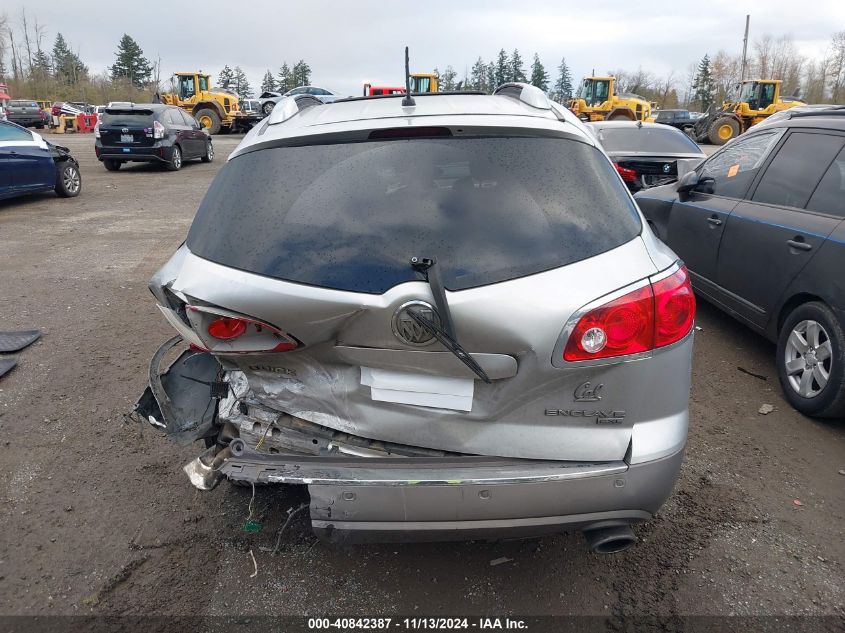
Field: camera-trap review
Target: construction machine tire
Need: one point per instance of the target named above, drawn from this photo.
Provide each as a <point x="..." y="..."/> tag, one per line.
<point x="723" y="129"/>
<point x="619" y="116"/>
<point x="208" y="119"/>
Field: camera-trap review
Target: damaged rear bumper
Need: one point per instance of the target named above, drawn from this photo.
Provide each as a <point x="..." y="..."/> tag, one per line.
<point x="357" y="500"/>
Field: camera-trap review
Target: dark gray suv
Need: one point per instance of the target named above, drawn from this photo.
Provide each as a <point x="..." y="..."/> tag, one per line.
<point x="760" y="226"/>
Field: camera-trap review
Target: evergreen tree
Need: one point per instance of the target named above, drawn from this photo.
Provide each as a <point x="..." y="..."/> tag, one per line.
<point x="704" y="86"/>
<point x="563" y="85"/>
<point x="503" y="71"/>
<point x="285" y="80"/>
<point x="539" y="76"/>
<point x="491" y="76"/>
<point x="447" y="79"/>
<point x="3" y="70"/>
<point x="41" y="66"/>
<point x="478" y="77"/>
<point x="130" y="63"/>
<point x="67" y="67"/>
<point x="517" y="67"/>
<point x="301" y="74"/>
<point x="268" y="84"/>
<point x="240" y="84"/>
<point x="226" y="77"/>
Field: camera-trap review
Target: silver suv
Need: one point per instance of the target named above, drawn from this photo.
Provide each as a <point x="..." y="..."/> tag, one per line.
<point x="447" y="319"/>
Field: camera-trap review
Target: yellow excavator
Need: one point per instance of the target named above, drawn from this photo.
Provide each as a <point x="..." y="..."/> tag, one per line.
<point x="758" y="100"/>
<point x="596" y="100"/>
<point x="215" y="110"/>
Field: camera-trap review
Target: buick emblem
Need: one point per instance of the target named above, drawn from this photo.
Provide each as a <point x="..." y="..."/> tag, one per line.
<point x="667" y="168"/>
<point x="409" y="331"/>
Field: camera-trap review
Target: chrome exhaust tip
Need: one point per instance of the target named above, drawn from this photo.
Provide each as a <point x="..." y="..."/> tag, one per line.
<point x="610" y="540"/>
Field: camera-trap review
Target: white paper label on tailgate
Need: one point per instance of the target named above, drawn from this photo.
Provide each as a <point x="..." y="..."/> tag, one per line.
<point x="420" y="389"/>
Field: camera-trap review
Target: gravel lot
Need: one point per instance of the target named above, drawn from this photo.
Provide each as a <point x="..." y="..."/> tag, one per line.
<point x="100" y="519"/>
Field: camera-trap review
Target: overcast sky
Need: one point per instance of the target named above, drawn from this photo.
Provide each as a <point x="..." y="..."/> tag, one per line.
<point x="349" y="42"/>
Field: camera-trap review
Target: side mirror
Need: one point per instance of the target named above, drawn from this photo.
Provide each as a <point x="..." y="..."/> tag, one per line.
<point x="687" y="183"/>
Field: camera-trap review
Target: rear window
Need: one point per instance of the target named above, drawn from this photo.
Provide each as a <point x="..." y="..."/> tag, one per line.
<point x="351" y="216"/>
<point x="23" y="104"/>
<point x="651" y="139"/>
<point x="114" y="116"/>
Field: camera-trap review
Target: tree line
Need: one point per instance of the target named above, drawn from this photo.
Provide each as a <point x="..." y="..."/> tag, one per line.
<point x="41" y="69"/>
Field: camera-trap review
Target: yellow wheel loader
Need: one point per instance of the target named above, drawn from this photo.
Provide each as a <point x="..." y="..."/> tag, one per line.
<point x="758" y="100"/>
<point x="422" y="83"/>
<point x="214" y="110"/>
<point x="596" y="100"/>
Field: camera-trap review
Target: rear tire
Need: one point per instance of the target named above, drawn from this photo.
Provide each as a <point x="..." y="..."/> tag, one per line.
<point x="811" y="351"/>
<point x="618" y="117"/>
<point x="722" y="130"/>
<point x="68" y="180"/>
<point x="111" y="165"/>
<point x="267" y="108"/>
<point x="209" y="153"/>
<point x="208" y="119"/>
<point x="175" y="163"/>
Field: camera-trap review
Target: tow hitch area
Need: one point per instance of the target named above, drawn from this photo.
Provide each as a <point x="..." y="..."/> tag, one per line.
<point x="183" y="400"/>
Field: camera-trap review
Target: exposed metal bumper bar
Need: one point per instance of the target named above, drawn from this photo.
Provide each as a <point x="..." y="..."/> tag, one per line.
<point x="400" y="499"/>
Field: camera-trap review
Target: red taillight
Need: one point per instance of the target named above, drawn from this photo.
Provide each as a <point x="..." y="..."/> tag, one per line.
<point x="655" y="315"/>
<point x="674" y="306"/>
<point x="230" y="334"/>
<point x="226" y="328"/>
<point x="158" y="130"/>
<point x="628" y="175"/>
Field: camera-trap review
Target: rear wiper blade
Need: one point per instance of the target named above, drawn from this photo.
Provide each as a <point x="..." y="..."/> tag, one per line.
<point x="449" y="343"/>
<point x="445" y="335"/>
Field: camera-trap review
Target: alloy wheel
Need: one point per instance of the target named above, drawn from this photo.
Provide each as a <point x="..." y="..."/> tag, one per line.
<point x="70" y="179"/>
<point x="809" y="358"/>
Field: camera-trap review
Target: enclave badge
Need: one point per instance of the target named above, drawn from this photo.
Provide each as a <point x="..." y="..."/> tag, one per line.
<point x="585" y="392"/>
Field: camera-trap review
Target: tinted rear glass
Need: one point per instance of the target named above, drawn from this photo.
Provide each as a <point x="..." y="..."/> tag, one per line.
<point x="646" y="139"/>
<point x="127" y="117"/>
<point x="351" y="216"/>
<point x="23" y="104"/>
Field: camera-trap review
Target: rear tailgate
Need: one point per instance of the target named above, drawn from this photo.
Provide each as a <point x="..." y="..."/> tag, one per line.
<point x="127" y="128"/>
<point x="531" y="409"/>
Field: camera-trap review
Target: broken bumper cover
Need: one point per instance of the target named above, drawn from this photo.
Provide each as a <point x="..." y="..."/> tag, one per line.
<point x="357" y="500"/>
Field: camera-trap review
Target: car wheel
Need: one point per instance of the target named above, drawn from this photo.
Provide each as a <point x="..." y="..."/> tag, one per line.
<point x="68" y="180"/>
<point x="267" y="108"/>
<point x="209" y="153"/>
<point x="175" y="163"/>
<point x="811" y="361"/>
<point x="112" y="165"/>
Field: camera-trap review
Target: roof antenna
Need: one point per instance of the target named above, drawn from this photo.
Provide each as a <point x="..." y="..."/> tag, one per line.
<point x="408" y="100"/>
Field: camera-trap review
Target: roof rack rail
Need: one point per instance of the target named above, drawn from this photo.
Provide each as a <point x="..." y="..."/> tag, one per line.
<point x="526" y="93"/>
<point x="287" y="107"/>
<point x="838" y="110"/>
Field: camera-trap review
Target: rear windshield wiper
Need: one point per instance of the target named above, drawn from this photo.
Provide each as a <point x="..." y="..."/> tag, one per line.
<point x="446" y="334"/>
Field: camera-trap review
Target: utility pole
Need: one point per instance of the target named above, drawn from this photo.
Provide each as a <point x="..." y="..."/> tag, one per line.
<point x="744" y="49"/>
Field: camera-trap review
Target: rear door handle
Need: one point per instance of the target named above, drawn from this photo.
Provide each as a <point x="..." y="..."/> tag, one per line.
<point x="800" y="245"/>
<point x="714" y="221"/>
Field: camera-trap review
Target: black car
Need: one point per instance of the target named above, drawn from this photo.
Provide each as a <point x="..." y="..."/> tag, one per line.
<point x="680" y="119"/>
<point x="26" y="113"/>
<point x="645" y="154"/>
<point x="761" y="226"/>
<point x="150" y="132"/>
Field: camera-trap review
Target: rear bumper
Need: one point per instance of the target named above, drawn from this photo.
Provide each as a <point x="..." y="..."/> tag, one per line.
<point x="408" y="499"/>
<point x="134" y="154"/>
